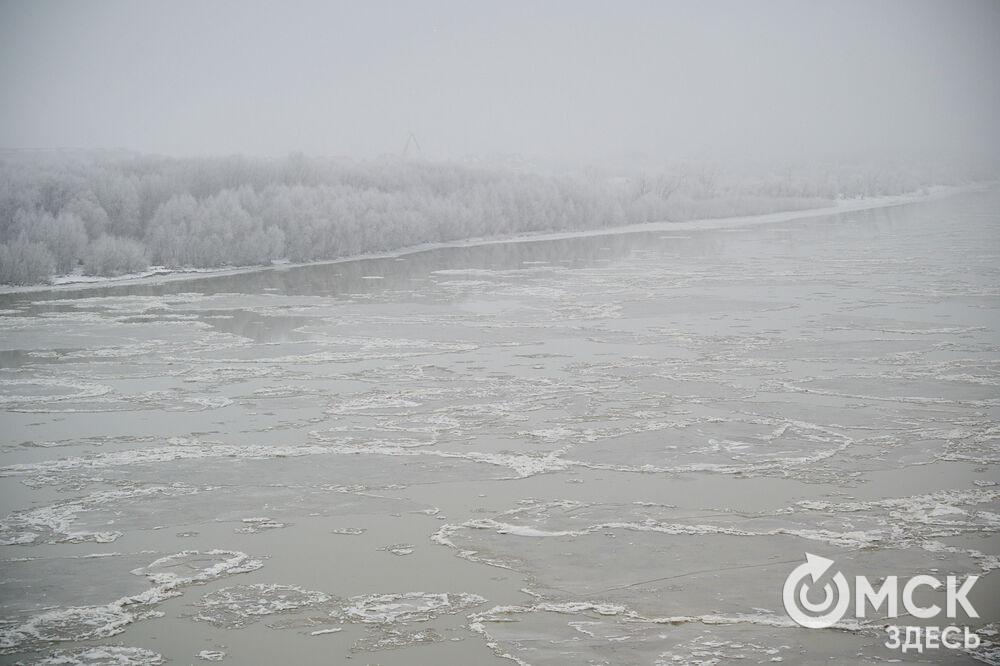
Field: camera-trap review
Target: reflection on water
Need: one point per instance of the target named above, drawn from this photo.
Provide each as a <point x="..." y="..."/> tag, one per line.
<point x="561" y="451"/>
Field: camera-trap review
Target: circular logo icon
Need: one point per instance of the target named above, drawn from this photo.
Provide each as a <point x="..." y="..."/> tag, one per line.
<point x="820" y="615"/>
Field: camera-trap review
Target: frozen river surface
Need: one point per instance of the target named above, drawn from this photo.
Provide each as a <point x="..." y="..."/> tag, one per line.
<point x="602" y="450"/>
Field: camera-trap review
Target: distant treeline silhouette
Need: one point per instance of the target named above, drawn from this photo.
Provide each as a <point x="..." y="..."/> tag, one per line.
<point x="113" y="214"/>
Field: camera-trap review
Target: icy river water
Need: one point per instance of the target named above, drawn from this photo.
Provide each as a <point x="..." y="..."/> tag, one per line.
<point x="599" y="450"/>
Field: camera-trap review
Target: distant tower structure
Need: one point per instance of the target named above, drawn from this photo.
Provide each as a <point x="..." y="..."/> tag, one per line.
<point x="411" y="139"/>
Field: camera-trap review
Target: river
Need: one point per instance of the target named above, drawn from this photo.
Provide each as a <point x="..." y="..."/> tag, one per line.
<point x="606" y="450"/>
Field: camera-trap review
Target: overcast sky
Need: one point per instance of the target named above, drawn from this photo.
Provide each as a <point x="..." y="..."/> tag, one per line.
<point x="555" y="80"/>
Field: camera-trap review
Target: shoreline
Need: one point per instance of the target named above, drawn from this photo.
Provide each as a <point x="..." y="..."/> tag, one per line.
<point x="160" y="275"/>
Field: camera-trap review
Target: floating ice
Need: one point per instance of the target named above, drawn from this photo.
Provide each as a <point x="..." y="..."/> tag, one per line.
<point x="353" y="531"/>
<point x="585" y="631"/>
<point x="241" y="605"/>
<point x="258" y="524"/>
<point x="102" y="655"/>
<point x="168" y="574"/>
<point x="388" y="638"/>
<point x="321" y="632"/>
<point x="54" y="523"/>
<point x="407" y="607"/>
<point x="192" y="566"/>
<point x="41" y="390"/>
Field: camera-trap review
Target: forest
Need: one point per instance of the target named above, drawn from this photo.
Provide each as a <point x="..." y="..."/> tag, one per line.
<point x="112" y="214"/>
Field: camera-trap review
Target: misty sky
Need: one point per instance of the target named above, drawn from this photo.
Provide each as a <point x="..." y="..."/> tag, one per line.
<point x="554" y="80"/>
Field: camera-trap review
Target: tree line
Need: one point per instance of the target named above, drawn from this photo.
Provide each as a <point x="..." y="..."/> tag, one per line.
<point x="113" y="214"/>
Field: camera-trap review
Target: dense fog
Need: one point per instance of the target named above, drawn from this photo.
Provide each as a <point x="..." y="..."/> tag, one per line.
<point x="443" y="120"/>
<point x="582" y="81"/>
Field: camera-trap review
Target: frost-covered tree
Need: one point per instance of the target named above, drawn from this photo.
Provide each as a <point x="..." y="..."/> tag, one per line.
<point x="168" y="233"/>
<point x="114" y="255"/>
<point x="66" y="238"/>
<point x="118" y="195"/>
<point x="24" y="262"/>
<point x="86" y="207"/>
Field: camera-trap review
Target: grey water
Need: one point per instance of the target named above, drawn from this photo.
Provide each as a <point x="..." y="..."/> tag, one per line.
<point x="605" y="450"/>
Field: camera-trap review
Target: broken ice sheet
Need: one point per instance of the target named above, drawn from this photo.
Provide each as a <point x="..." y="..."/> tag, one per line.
<point x="240" y="605"/>
<point x="386" y="638"/>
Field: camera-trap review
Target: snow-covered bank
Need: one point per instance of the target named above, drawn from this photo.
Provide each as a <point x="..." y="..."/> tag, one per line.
<point x="160" y="274"/>
<point x="841" y="206"/>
